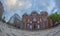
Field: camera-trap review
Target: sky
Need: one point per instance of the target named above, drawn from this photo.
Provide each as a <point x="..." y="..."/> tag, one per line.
<point x="27" y="6"/>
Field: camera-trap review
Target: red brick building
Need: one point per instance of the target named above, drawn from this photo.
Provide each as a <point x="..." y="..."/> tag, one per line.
<point x="36" y="21"/>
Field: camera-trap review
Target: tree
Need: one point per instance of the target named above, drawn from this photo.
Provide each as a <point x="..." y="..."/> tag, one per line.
<point x="55" y="17"/>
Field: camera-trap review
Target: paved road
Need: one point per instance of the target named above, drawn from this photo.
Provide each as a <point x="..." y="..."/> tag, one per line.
<point x="7" y="30"/>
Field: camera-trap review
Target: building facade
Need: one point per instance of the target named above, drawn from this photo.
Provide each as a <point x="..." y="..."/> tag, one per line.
<point x="15" y="21"/>
<point x="1" y="10"/>
<point x="36" y="21"/>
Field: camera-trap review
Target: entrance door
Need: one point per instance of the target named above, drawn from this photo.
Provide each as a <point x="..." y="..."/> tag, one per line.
<point x="34" y="26"/>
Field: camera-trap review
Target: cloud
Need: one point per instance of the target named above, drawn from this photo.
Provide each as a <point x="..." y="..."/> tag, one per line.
<point x="14" y="5"/>
<point x="47" y="5"/>
<point x="55" y="10"/>
<point x="10" y="3"/>
<point x="20" y="4"/>
<point x="51" y="6"/>
<point x="24" y="4"/>
<point x="28" y="4"/>
<point x="57" y="3"/>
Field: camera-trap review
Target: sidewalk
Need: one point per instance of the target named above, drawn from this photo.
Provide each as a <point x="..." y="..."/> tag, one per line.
<point x="7" y="31"/>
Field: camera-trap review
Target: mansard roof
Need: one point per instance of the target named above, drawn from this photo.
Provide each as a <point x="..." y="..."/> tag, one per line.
<point x="44" y="12"/>
<point x="34" y="12"/>
<point x="25" y="14"/>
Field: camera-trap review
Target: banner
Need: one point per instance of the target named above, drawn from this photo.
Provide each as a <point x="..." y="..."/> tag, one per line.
<point x="30" y="26"/>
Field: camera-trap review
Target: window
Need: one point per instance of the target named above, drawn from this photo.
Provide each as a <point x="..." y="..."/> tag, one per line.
<point x="24" y="20"/>
<point x="28" y="20"/>
<point x="40" y="20"/>
<point x="34" y="19"/>
<point x="45" y="20"/>
<point x="17" y="21"/>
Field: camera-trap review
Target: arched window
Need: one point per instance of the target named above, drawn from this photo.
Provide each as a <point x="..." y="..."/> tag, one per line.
<point x="28" y="20"/>
<point x="40" y="20"/>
